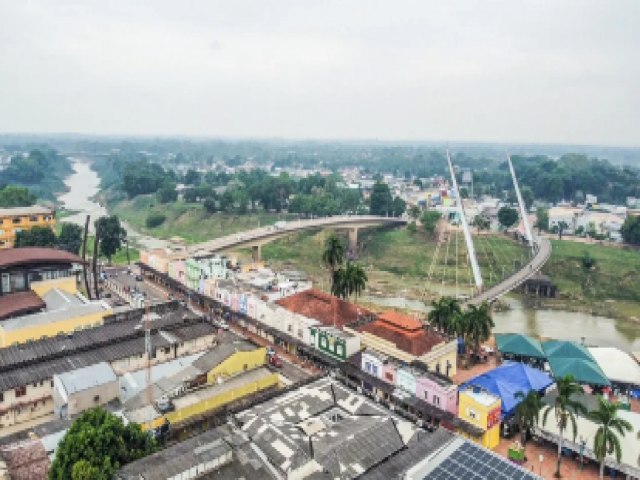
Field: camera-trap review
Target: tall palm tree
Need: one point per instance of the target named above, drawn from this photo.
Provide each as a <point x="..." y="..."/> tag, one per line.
<point x="358" y="278"/>
<point x="606" y="440"/>
<point x="479" y="324"/>
<point x="565" y="409"/>
<point x="333" y="255"/>
<point x="444" y="313"/>
<point x="528" y="412"/>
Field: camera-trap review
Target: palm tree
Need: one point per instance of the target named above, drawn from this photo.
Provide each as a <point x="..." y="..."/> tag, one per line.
<point x="340" y="283"/>
<point x="565" y="409"/>
<point x="528" y="412"/>
<point x="479" y="324"/>
<point x="333" y="255"/>
<point x="444" y="313"/>
<point x="358" y="278"/>
<point x="606" y="440"/>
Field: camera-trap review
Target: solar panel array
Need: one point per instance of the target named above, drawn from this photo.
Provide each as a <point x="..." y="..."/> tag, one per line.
<point x="471" y="462"/>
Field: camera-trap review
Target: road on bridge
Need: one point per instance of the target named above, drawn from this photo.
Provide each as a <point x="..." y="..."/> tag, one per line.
<point x="543" y="253"/>
<point x="265" y="234"/>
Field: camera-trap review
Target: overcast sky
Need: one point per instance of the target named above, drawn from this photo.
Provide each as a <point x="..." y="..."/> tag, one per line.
<point x="535" y="71"/>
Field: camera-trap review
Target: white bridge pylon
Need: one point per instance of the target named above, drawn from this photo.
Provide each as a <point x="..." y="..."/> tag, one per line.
<point x="523" y="208"/>
<point x="475" y="268"/>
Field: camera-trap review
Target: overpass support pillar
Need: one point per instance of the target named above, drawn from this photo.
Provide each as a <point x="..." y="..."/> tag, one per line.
<point x="353" y="240"/>
<point x="256" y="253"/>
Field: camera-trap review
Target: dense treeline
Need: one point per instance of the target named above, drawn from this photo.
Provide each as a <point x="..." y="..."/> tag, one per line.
<point x="243" y="191"/>
<point x="43" y="171"/>
<point x="570" y="178"/>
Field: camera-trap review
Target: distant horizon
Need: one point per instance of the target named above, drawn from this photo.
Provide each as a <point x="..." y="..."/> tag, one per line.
<point x="346" y="140"/>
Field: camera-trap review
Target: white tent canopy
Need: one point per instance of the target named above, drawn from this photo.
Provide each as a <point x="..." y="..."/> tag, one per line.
<point x="618" y="366"/>
<point x="629" y="444"/>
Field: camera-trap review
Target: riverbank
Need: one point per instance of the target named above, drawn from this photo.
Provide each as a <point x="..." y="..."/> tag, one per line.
<point x="188" y="221"/>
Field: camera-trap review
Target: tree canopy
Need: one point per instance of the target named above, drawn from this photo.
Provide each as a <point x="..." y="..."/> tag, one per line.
<point x="507" y="216"/>
<point x="429" y="220"/>
<point x="70" y="238"/>
<point x="96" y="445"/>
<point x="36" y="237"/>
<point x="631" y="230"/>
<point x="111" y="235"/>
<point x="15" y="196"/>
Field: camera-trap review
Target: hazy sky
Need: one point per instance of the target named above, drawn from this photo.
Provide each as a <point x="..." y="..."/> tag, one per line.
<point x="539" y="71"/>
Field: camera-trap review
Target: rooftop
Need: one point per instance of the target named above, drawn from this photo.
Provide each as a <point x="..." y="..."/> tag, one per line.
<point x="326" y="431"/>
<point x="25" y="460"/>
<point x="21" y="211"/>
<point x="12" y="257"/>
<point x="481" y="396"/>
<point x="41" y="359"/>
<point x="408" y="336"/>
<point x="323" y="307"/>
<point x="19" y="304"/>
<point x="244" y="463"/>
<point x="87" y="377"/>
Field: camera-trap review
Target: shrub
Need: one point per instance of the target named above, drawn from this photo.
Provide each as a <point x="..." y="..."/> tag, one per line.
<point x="155" y="220"/>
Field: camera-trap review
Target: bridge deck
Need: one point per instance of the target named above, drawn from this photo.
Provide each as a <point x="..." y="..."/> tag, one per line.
<point x="263" y="234"/>
<point x="543" y="253"/>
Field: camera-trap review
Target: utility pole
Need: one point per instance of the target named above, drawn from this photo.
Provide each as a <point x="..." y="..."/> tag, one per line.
<point x="147" y="347"/>
<point x="96" y="246"/>
<point x="84" y="257"/>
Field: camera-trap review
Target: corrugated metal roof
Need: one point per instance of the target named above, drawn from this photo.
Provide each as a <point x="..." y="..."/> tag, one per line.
<point x="87" y="377"/>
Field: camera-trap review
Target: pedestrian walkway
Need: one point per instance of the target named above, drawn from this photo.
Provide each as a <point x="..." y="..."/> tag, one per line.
<point x="569" y="467"/>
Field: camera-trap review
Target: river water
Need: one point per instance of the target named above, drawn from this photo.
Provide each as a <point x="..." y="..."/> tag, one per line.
<point x="83" y="184"/>
<point x="558" y="324"/>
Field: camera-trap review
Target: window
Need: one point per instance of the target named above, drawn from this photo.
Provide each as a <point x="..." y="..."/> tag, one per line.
<point x="388" y="376"/>
<point x="21" y="391"/>
<point x="299" y="333"/>
<point x="96" y="398"/>
<point x="16" y="221"/>
<point x="35" y="385"/>
<point x="289" y="328"/>
<point x="426" y="395"/>
<point x="52" y="383"/>
<point x="340" y="351"/>
<point x="472" y="414"/>
<point x="245" y="366"/>
<point x="436" y="400"/>
<point x="1" y="397"/>
<point x="33" y="218"/>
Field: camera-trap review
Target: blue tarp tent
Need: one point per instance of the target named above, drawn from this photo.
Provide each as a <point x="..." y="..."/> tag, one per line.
<point x="509" y="379"/>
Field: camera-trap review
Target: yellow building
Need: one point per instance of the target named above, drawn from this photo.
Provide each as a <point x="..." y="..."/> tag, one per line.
<point x="14" y="220"/>
<point x="215" y="396"/>
<point x="239" y="361"/>
<point x="481" y="409"/>
<point x="66" y="310"/>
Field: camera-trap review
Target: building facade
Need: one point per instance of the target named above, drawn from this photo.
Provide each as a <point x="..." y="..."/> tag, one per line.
<point x="14" y="220"/>
<point x="483" y="410"/>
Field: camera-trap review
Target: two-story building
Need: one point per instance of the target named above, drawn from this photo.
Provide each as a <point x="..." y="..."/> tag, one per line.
<point x="482" y="409"/>
<point x="16" y="219"/>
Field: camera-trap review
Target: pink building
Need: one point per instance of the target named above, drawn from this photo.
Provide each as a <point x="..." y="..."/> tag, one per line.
<point x="438" y="392"/>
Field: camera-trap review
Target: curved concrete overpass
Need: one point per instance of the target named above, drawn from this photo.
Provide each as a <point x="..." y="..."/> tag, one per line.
<point x="259" y="236"/>
<point x="543" y="252"/>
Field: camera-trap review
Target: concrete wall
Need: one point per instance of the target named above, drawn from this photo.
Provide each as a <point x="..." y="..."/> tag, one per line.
<point x="237" y="363"/>
<point x="439" y="355"/>
<point x="478" y="414"/>
<point x="10" y="337"/>
<point x="86" y="399"/>
<point x="447" y="396"/>
<point x="36" y="402"/>
<point x="216" y="401"/>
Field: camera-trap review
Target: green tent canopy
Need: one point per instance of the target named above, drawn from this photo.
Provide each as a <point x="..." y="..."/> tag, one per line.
<point x="570" y="358"/>
<point x="518" y="344"/>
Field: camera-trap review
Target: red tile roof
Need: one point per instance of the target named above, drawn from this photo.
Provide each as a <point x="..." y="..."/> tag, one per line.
<point x="323" y="307"/>
<point x="14" y="304"/>
<point x="31" y="255"/>
<point x="405" y="332"/>
<point x="26" y="461"/>
<point x="400" y="320"/>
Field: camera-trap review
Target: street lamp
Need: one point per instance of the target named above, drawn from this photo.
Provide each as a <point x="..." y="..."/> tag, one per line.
<point x="582" y="445"/>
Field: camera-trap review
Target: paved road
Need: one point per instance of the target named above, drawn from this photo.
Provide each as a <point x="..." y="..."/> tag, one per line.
<point x="119" y="276"/>
<point x="537" y="262"/>
<point x="260" y="235"/>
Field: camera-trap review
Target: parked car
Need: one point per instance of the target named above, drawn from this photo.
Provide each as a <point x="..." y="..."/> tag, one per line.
<point x="274" y="361"/>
